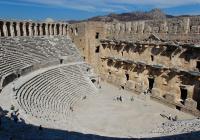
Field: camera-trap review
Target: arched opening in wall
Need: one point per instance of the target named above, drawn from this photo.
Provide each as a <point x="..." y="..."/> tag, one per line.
<point x="152" y="58"/>
<point x="122" y="53"/>
<point x="33" y="28"/>
<point x="57" y="29"/>
<point x="109" y="73"/>
<point x="62" y="31"/>
<point x="52" y="27"/>
<point x="97" y="35"/>
<point x="93" y="80"/>
<point x="61" y="61"/>
<point x="127" y="76"/>
<point x="66" y="29"/>
<point x="198" y="65"/>
<point x="76" y="31"/>
<point x="184" y="94"/>
<point x="21" y="29"/>
<point x="9" y="79"/>
<point x="151" y="83"/>
<point x="97" y="50"/>
<point x="1" y="29"/>
<point x="43" y="29"/>
<point x="178" y="107"/>
<point x="15" y="28"/>
<point x="8" y="28"/>
<point x="38" y="29"/>
<point x="27" y="29"/>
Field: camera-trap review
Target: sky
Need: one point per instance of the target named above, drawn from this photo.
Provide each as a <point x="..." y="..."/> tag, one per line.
<point x="83" y="9"/>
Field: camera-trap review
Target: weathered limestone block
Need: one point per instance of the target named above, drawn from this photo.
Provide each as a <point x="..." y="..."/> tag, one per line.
<point x="60" y="30"/>
<point x="141" y="27"/>
<point x="170" y="97"/>
<point x="130" y="85"/>
<point x="128" y="27"/>
<point x="50" y="29"/>
<point x="122" y="81"/>
<point x="134" y="27"/>
<point x="190" y="103"/>
<point x="186" y="25"/>
<point x="110" y="78"/>
<point x="122" y="28"/>
<point x="156" y="29"/>
<point x="147" y="29"/>
<point x="5" y="30"/>
<point x="24" y="29"/>
<point x="30" y="30"/>
<point x="139" y="87"/>
<point x="117" y="28"/>
<point x="156" y="92"/>
<point x="194" y="29"/>
<point x="164" y="28"/>
<point x="18" y="28"/>
<point x="11" y="29"/>
<point x="46" y="29"/>
<point x="173" y="29"/>
<point x="117" y="80"/>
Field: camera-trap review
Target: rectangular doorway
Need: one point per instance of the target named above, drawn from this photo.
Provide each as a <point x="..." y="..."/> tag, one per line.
<point x="184" y="94"/>
<point x="151" y="83"/>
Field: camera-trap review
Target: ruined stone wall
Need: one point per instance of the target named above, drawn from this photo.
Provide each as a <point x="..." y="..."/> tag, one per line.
<point x="185" y="29"/>
<point x="29" y="28"/>
<point x="170" y="73"/>
<point x="87" y="35"/>
<point x="159" y="56"/>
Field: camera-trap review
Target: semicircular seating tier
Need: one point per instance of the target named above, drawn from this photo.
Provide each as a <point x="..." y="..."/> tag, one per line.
<point x="49" y="97"/>
<point x="22" y="52"/>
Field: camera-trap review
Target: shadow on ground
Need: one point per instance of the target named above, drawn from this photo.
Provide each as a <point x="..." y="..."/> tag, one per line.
<point x="11" y="130"/>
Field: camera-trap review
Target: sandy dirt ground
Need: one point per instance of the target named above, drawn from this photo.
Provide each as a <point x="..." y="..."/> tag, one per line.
<point x="134" y="116"/>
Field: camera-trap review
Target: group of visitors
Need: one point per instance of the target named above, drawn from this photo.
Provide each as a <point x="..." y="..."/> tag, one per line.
<point x="118" y="98"/>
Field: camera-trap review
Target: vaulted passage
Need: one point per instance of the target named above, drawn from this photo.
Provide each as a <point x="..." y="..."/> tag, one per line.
<point x="198" y="65"/>
<point x="57" y="29"/>
<point x="21" y="29"/>
<point x="43" y="29"/>
<point x="15" y="28"/>
<point x="52" y="29"/>
<point x="97" y="49"/>
<point x="38" y="29"/>
<point x="184" y="94"/>
<point x="151" y="83"/>
<point x="152" y="58"/>
<point x="127" y="76"/>
<point x="33" y="29"/>
<point x="8" y="28"/>
<point x="27" y="29"/>
<point x="97" y="35"/>
<point x="1" y="29"/>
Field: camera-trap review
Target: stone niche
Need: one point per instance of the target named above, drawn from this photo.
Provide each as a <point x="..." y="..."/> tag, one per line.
<point x="190" y="103"/>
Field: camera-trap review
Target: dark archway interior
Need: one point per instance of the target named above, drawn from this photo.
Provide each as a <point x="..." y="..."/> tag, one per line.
<point x="151" y="83"/>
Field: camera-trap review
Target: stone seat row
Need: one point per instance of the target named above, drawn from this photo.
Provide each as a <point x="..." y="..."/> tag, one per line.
<point x="17" y="53"/>
<point x="50" y="96"/>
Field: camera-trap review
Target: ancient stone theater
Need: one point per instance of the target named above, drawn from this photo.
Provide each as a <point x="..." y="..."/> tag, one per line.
<point x="100" y="80"/>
